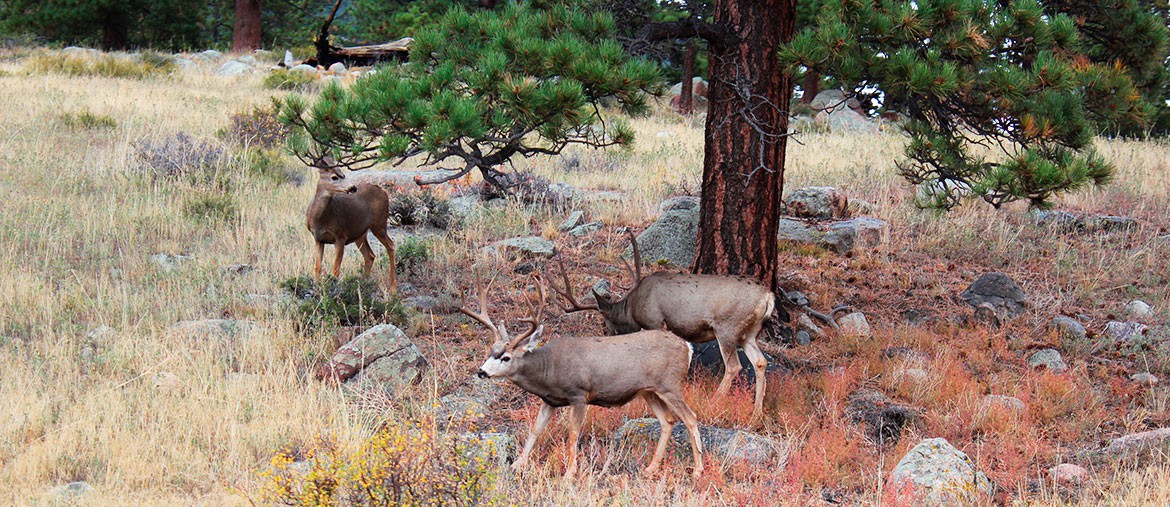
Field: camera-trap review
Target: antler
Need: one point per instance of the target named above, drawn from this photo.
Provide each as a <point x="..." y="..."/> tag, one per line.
<point x="534" y="321"/>
<point x="481" y="315"/>
<point x="568" y="293"/>
<point x="637" y="269"/>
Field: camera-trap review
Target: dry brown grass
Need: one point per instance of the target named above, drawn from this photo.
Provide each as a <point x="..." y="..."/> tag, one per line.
<point x="157" y="417"/>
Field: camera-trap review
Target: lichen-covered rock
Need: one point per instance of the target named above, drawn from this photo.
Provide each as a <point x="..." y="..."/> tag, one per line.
<point x="1069" y="328"/>
<point x="527" y="247"/>
<point x="1136" y="443"/>
<point x="639" y="436"/>
<point x="1048" y="358"/>
<point x="680" y="202"/>
<point x="378" y="342"/>
<point x="934" y="472"/>
<point x="401" y="368"/>
<point x="859" y="233"/>
<point x="854" y="324"/>
<point x="822" y="203"/>
<point x="1068" y="474"/>
<point x="573" y="220"/>
<point x="799" y="232"/>
<point x="1138" y="310"/>
<point x="672" y="237"/>
<point x="1124" y="331"/>
<point x="1000" y="291"/>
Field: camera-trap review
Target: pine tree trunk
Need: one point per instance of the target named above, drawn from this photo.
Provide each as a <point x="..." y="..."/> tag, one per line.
<point x="811" y="87"/>
<point x="743" y="164"/>
<point x="686" y="97"/>
<point x="115" y="28"/>
<point x="246" y="32"/>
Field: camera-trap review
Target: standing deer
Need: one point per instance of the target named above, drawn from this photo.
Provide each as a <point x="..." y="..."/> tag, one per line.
<point x="697" y="308"/>
<point x="607" y="371"/>
<point x="341" y="212"/>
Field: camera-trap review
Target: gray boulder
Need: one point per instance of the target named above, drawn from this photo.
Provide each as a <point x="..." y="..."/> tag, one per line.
<point x="1140" y="443"/>
<point x="1138" y="310"/>
<point x="573" y="220"/>
<point x="1108" y="223"/>
<point x="404" y="363"/>
<point x="337" y="68"/>
<point x="671" y="237"/>
<point x="682" y="202"/>
<point x="70" y="494"/>
<point x="1062" y="221"/>
<point x="1069" y="328"/>
<point x="586" y="229"/>
<point x="798" y="232"/>
<point x="526" y="247"/>
<point x="1048" y="358"/>
<point x="859" y="233"/>
<point x="234" y="68"/>
<point x="855" y="324"/>
<point x="308" y="69"/>
<point x="639" y="436"/>
<point x="208" y="55"/>
<point x="934" y="472"/>
<point x="822" y="203"/>
<point x="846" y="120"/>
<point x="1000" y="291"/>
<point x="833" y="99"/>
<point x="490" y="446"/>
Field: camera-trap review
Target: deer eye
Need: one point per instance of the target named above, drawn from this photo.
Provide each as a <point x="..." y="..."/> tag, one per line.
<point x="336" y="177"/>
<point x="505" y="359"/>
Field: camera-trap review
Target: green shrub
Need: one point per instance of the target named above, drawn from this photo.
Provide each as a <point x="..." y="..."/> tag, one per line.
<point x="87" y="120"/>
<point x="412" y="253"/>
<point x="270" y="165"/>
<point x="212" y="208"/>
<point x="349" y="301"/>
<point x="282" y="79"/>
<point x="101" y="65"/>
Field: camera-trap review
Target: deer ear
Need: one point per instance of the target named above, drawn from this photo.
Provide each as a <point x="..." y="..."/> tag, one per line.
<point x="534" y="341"/>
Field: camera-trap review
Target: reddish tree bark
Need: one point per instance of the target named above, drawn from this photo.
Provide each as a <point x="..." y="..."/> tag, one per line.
<point x="246" y="31"/>
<point x="686" y="97"/>
<point x="812" y="86"/>
<point x="743" y="164"/>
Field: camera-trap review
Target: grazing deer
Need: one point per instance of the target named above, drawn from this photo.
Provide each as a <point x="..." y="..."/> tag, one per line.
<point x="698" y="308"/>
<point x="341" y="212"/>
<point x="607" y="371"/>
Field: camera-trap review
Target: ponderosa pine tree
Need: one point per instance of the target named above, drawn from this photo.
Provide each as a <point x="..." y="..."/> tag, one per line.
<point x="970" y="74"/>
<point x="480" y="89"/>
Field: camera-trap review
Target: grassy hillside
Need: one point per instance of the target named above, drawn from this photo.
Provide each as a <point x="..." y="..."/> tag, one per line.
<point x="150" y="414"/>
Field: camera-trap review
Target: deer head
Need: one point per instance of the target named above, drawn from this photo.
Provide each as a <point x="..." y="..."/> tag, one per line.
<point x="330" y="178"/>
<point x="505" y="353"/>
<point x="616" y="312"/>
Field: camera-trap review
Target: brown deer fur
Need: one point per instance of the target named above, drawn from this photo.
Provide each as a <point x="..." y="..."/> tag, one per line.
<point x="341" y="212"/>
<point x="606" y="371"/>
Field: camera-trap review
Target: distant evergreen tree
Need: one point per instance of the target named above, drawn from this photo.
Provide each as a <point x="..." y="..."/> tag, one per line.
<point x="108" y="24"/>
<point x="970" y="74"/>
<point x="481" y="88"/>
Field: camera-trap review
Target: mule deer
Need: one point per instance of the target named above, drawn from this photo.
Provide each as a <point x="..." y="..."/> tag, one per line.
<point x="606" y="371"/>
<point x="341" y="212"/>
<point x="697" y="308"/>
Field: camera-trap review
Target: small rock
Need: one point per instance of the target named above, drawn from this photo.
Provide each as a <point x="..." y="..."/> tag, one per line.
<point x="247" y="60"/>
<point x="1069" y="328"/>
<point x="1062" y="221"/>
<point x="823" y="203"/>
<point x="381" y="341"/>
<point x="986" y="314"/>
<point x="1124" y="331"/>
<point x="1068" y="474"/>
<point x="184" y="64"/>
<point x="640" y="435"/>
<point x="859" y="233"/>
<point x="337" y="68"/>
<point x="1136" y="443"/>
<point x="601" y="288"/>
<point x="1144" y="378"/>
<point x="288" y="60"/>
<point x="883" y="418"/>
<point x="526" y="247"/>
<point x="803" y="338"/>
<point x="1138" y="310"/>
<point x="846" y="120"/>
<point x="586" y="229"/>
<point x="854" y="324"/>
<point x="239" y="269"/>
<point x="233" y="68"/>
<point x="915" y="375"/>
<point x="210" y="54"/>
<point x="169" y="262"/>
<point x="1000" y="401"/>
<point x="934" y="472"/>
<point x="1048" y="358"/>
<point x="681" y="202"/>
<point x="308" y="69"/>
<point x="805" y="323"/>
<point x="70" y="494"/>
<point x="1000" y="291"/>
<point x="574" y="219"/>
<point x="916" y="316"/>
<point x="1108" y="223"/>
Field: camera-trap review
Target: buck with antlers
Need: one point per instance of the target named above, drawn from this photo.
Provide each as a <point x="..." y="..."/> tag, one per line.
<point x="606" y="371"/>
<point x="341" y="213"/>
<point x="697" y="308"/>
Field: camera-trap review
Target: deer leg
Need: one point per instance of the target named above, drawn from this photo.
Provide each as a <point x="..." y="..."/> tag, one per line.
<point x="576" y="419"/>
<point x="760" y="365"/>
<point x="380" y="233"/>
<point x="317" y="265"/>
<point x="731" y="366"/>
<point x="666" y="423"/>
<point x="546" y="413"/>
<point x="339" y="252"/>
<point x="363" y="245"/>
<point x="679" y="406"/>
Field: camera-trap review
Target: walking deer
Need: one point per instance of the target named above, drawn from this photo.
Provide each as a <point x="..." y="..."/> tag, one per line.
<point x="607" y="371"/>
<point x="341" y="213"/>
<point x="697" y="308"/>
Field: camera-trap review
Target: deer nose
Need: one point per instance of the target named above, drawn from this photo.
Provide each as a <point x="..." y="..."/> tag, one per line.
<point x="481" y="374"/>
<point x="351" y="190"/>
